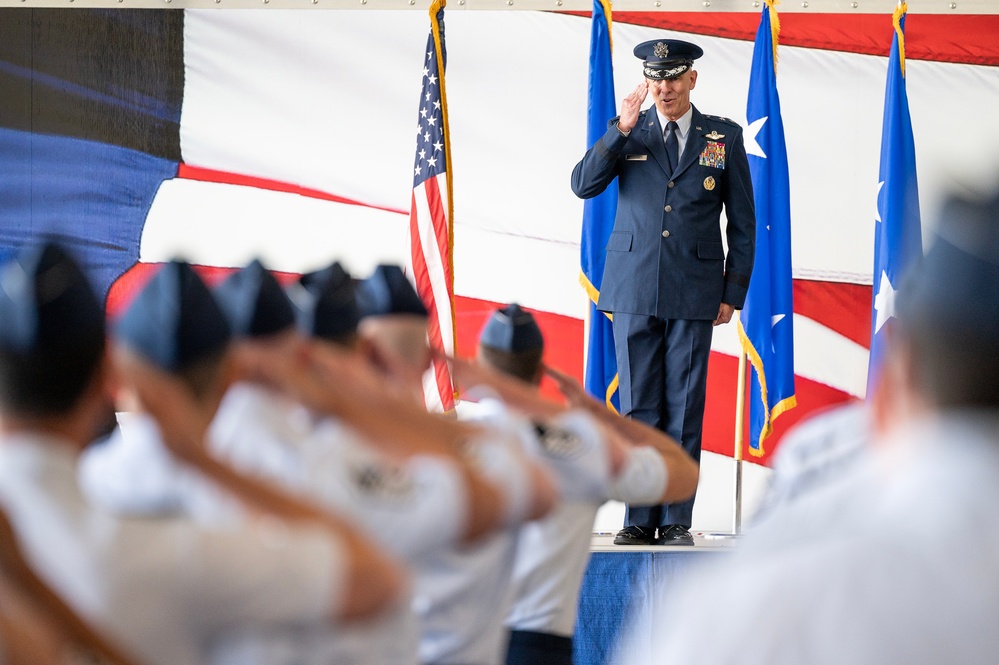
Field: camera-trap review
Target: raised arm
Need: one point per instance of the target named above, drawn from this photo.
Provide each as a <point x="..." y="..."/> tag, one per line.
<point x="339" y="384"/>
<point x="372" y="580"/>
<point x="598" y="167"/>
<point x="681" y="470"/>
<point x="27" y="585"/>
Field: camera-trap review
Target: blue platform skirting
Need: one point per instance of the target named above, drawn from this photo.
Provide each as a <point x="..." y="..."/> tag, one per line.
<point x="623" y="591"/>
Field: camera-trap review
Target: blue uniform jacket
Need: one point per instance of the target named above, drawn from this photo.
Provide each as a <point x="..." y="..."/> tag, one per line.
<point x="665" y="256"/>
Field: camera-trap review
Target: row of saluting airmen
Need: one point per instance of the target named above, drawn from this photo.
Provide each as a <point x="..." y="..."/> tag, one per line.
<point x="274" y="490"/>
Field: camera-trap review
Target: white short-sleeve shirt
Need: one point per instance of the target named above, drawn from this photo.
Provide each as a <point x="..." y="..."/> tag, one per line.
<point x="166" y="589"/>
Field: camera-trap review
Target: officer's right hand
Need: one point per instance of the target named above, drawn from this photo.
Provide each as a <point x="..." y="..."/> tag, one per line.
<point x="630" y="107"/>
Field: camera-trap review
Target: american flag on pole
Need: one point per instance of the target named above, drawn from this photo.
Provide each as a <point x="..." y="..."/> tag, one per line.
<point x="431" y="225"/>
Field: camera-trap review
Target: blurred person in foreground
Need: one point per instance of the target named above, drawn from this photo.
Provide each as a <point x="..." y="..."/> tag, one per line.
<point x="900" y="564"/>
<point x="551" y="553"/>
<point x="165" y="589"/>
<point x="815" y="455"/>
<point x="410" y="488"/>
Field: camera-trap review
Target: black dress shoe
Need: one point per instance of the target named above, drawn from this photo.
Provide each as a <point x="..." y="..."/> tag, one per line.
<point x="674" y="534"/>
<point x="635" y="535"/>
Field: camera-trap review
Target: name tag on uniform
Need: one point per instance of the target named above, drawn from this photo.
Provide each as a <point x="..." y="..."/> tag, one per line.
<point x="636" y="158"/>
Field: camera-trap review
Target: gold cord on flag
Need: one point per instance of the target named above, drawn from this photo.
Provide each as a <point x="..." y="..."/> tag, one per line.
<point x="435" y="29"/>
<point x="606" y="4"/>
<point x="896" y="20"/>
<point x="774" y="27"/>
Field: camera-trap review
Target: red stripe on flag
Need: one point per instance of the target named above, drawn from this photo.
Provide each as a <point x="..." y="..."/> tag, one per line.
<point x="563" y="337"/>
<point x="188" y="172"/>
<point x="718" y="435"/>
<point x="961" y="38"/>
<point x="845" y="308"/>
<point x="424" y="287"/>
<point x="564" y="350"/>
<point x="128" y="285"/>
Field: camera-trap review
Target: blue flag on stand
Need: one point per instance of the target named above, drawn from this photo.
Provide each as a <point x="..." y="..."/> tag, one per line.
<point x="897" y="234"/>
<point x="598" y="214"/>
<point x="766" y="323"/>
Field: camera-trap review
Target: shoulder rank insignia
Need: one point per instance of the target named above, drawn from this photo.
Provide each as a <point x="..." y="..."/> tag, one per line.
<point x="714" y="135"/>
<point x="722" y="119"/>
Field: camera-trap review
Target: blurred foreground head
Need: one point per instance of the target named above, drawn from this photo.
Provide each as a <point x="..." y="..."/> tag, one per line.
<point x="175" y="324"/>
<point x="326" y="305"/>
<point x="51" y="333"/>
<point x="255" y="305"/>
<point x="945" y="350"/>
<point x="394" y="325"/>
<point x="511" y="342"/>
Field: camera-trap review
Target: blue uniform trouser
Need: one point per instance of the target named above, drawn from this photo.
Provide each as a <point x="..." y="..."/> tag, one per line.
<point x="663" y="370"/>
<point x="528" y="647"/>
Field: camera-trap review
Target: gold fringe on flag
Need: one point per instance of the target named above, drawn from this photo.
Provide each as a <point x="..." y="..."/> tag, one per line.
<point x="774" y="27"/>
<point x="896" y="20"/>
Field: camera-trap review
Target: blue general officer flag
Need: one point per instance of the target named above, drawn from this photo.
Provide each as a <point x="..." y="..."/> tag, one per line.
<point x="766" y="322"/>
<point x="601" y="378"/>
<point x="897" y="234"/>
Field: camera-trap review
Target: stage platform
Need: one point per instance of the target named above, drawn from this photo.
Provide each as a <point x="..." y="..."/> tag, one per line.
<point x="626" y="581"/>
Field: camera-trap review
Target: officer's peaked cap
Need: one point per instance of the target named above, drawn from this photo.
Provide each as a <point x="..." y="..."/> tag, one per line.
<point x="667" y="58"/>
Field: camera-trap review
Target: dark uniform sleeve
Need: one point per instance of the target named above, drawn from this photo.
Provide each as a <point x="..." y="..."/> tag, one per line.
<point x="740" y="211"/>
<point x="599" y="165"/>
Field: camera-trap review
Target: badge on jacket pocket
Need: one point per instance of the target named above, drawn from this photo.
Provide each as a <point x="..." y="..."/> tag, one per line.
<point x="636" y="158"/>
<point x="713" y="155"/>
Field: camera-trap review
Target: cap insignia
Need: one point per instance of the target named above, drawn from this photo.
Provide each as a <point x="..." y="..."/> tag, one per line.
<point x="661" y="50"/>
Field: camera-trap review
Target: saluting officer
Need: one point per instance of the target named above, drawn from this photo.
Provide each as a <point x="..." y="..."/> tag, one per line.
<point x="667" y="278"/>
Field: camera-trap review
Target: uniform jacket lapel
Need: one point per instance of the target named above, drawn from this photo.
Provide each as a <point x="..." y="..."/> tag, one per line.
<point x="651" y="134"/>
<point x="695" y="142"/>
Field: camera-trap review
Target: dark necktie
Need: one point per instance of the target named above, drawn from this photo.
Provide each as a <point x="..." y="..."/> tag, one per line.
<point x="672" y="145"/>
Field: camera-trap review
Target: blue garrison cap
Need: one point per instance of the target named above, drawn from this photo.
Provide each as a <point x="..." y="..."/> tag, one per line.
<point x="328" y="304"/>
<point x="46" y="300"/>
<point x="513" y="330"/>
<point x="953" y="289"/>
<point x="388" y="291"/>
<point x="174" y="320"/>
<point x="254" y="302"/>
<point x="667" y="58"/>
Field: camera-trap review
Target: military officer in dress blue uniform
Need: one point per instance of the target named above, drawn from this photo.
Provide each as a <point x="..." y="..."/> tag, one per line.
<point x="667" y="278"/>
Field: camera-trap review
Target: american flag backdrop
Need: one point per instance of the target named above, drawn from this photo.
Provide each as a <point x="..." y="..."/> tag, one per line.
<point x="430" y="218"/>
<point x="218" y="136"/>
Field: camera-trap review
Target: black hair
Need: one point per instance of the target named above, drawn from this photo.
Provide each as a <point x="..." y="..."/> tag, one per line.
<point x="524" y="365"/>
<point x="49" y="381"/>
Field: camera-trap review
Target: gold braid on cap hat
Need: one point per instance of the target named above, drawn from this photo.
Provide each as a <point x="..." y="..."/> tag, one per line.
<point x="658" y="74"/>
